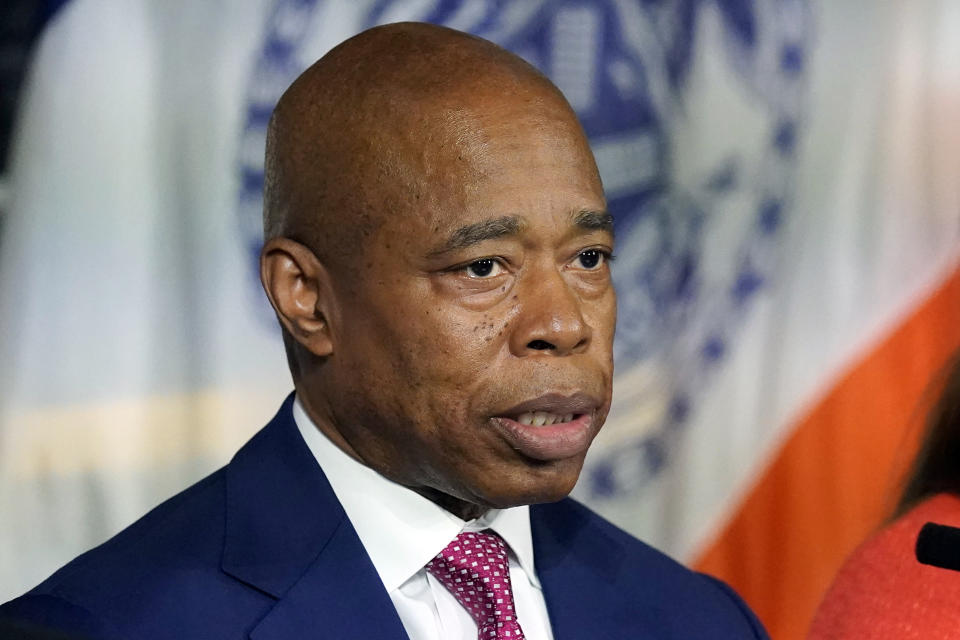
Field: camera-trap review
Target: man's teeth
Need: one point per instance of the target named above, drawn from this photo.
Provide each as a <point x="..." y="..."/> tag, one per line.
<point x="542" y="418"/>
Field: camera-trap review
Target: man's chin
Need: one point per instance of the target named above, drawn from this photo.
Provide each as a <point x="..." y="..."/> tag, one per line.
<point x="549" y="484"/>
<point x="518" y="484"/>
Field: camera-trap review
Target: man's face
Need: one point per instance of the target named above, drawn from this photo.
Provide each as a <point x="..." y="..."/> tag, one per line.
<point x="482" y="307"/>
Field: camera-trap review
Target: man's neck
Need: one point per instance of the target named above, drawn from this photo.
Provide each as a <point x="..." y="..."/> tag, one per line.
<point x="464" y="510"/>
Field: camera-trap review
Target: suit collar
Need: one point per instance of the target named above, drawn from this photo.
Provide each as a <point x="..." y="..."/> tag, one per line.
<point x="288" y="536"/>
<point x="339" y="596"/>
<point x="280" y="510"/>
<point x="400" y="529"/>
<point x="578" y="567"/>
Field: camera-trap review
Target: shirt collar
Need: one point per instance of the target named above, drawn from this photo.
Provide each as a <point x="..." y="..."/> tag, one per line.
<point x="400" y="529"/>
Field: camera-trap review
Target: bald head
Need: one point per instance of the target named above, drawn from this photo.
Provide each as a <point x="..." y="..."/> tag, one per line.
<point x="362" y="133"/>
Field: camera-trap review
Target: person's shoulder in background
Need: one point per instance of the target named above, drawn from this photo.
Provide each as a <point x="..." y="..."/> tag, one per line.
<point x="883" y="592"/>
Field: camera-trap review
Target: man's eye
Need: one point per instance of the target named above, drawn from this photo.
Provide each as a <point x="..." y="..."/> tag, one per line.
<point x="485" y="268"/>
<point x="592" y="258"/>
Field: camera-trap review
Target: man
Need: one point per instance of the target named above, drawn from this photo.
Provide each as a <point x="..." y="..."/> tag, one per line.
<point x="437" y="253"/>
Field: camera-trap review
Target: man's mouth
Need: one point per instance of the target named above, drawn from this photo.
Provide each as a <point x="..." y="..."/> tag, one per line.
<point x="550" y="427"/>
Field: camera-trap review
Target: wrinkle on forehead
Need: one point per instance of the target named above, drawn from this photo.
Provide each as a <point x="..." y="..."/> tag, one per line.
<point x="388" y="120"/>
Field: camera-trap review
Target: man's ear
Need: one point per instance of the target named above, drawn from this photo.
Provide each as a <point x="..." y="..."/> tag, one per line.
<point x="298" y="287"/>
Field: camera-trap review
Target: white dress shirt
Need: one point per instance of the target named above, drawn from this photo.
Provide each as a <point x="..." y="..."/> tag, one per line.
<point x="402" y="531"/>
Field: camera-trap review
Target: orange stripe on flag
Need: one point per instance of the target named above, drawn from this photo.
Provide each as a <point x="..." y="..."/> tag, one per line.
<point x="837" y="476"/>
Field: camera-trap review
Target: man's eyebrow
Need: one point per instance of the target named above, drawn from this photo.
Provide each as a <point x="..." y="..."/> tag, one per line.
<point x="472" y="234"/>
<point x="594" y="220"/>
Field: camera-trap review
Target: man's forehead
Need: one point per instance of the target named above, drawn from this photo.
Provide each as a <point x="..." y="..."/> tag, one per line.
<point x="462" y="167"/>
<point x="381" y="143"/>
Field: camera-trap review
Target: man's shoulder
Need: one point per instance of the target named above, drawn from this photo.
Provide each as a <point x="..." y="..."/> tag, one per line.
<point x="152" y="565"/>
<point x="161" y="572"/>
<point x="171" y="573"/>
<point x="184" y="530"/>
<point x="686" y="603"/>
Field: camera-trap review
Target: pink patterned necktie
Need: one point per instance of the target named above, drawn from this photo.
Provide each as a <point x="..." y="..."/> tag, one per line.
<point x="475" y="569"/>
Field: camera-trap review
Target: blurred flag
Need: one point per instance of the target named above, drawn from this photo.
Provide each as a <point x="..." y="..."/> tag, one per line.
<point x="782" y="174"/>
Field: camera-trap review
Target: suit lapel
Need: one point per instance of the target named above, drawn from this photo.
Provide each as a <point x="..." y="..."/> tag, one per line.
<point x="338" y="597"/>
<point x="577" y="570"/>
<point x="288" y="536"/>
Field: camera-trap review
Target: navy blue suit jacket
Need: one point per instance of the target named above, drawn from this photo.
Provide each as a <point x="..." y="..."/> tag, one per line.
<point x="263" y="549"/>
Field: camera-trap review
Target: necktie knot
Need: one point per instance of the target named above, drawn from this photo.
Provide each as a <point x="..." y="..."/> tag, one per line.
<point x="476" y="570"/>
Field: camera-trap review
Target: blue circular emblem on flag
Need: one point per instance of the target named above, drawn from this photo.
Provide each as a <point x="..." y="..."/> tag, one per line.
<point x="694" y="110"/>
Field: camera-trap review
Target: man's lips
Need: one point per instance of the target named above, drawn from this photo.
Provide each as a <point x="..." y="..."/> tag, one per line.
<point x="551" y="427"/>
<point x="555" y="403"/>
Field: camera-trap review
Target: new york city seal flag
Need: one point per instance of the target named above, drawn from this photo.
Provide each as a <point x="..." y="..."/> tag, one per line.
<point x="783" y="176"/>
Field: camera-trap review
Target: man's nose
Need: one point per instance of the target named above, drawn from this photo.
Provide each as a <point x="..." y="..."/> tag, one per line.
<point x="550" y="320"/>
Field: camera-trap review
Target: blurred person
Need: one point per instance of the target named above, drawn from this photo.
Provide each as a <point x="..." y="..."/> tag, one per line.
<point x="437" y="248"/>
<point x="882" y="591"/>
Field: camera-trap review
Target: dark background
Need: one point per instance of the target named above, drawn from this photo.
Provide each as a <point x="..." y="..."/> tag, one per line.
<point x="20" y="23"/>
